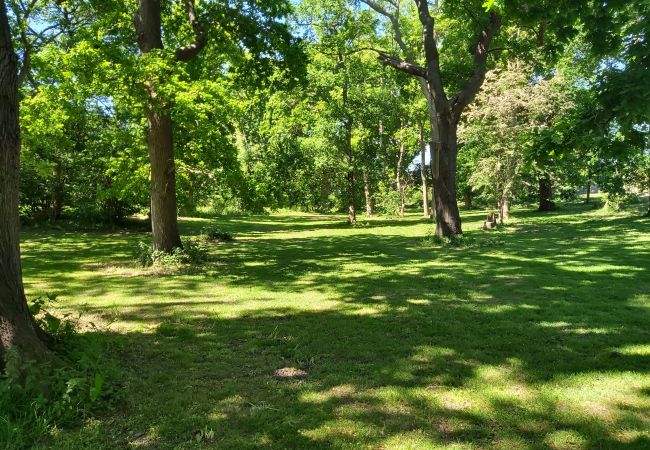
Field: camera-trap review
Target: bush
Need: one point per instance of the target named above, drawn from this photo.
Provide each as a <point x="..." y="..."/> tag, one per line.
<point x="190" y="253"/>
<point x="37" y="398"/>
<point x="216" y="235"/>
<point x="464" y="241"/>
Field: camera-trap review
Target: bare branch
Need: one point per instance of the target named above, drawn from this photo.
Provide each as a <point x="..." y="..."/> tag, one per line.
<point x="188" y="52"/>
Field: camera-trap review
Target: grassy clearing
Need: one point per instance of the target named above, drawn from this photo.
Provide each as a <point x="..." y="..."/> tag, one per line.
<point x="536" y="336"/>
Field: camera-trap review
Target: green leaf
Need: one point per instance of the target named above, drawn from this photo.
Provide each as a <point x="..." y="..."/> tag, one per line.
<point x="488" y="4"/>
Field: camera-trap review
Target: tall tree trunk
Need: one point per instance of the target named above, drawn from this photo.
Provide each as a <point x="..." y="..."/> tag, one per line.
<point x="17" y="327"/>
<point x="347" y="144"/>
<point x="545" y="194"/>
<point x="56" y="199"/>
<point x="423" y="174"/>
<point x="398" y="179"/>
<point x="366" y="191"/>
<point x="588" y="192"/>
<point x="164" y="219"/>
<point x="468" y="196"/>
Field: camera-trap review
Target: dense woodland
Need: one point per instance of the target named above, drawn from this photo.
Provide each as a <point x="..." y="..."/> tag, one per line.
<point x="111" y="110"/>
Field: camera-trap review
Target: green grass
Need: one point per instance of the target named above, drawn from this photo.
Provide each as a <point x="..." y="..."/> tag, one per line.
<point x="535" y="336"/>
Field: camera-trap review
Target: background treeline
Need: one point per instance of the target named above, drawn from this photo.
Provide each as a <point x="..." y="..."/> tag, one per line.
<point x="307" y="117"/>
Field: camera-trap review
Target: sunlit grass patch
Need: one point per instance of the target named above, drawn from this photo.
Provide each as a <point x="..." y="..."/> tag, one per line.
<point x="541" y="342"/>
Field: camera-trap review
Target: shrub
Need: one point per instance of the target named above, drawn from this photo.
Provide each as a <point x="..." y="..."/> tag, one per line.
<point x="216" y="235"/>
<point x="37" y="398"/>
<point x="191" y="253"/>
<point x="433" y="240"/>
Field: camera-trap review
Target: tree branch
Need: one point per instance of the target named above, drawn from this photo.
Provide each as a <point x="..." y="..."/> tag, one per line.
<point x="431" y="55"/>
<point x="394" y="21"/>
<point x="481" y="51"/>
<point x="406" y="67"/>
<point x="188" y="52"/>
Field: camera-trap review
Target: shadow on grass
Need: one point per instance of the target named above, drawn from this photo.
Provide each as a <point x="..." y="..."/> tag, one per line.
<point x="537" y="341"/>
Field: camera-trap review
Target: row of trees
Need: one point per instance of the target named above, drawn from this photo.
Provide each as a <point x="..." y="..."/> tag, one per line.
<point x="325" y="105"/>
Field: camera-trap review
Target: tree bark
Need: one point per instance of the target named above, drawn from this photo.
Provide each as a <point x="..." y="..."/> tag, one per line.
<point x="17" y="327"/>
<point x="448" y="223"/>
<point x="347" y="144"/>
<point x="504" y="210"/>
<point x="366" y="191"/>
<point x="398" y="179"/>
<point x="468" y="197"/>
<point x="423" y="174"/>
<point x="160" y="140"/>
<point x="588" y="192"/>
<point x="56" y="199"/>
<point x="545" y="194"/>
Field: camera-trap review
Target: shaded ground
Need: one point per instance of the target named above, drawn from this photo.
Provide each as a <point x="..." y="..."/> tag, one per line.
<point x="537" y="336"/>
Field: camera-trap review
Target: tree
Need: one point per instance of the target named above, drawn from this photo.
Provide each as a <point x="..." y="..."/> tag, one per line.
<point x="444" y="112"/>
<point x="517" y="128"/>
<point x="160" y="141"/>
<point x="17" y="327"/>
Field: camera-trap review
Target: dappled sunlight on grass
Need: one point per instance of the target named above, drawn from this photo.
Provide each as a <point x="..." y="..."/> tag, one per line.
<point x="533" y="336"/>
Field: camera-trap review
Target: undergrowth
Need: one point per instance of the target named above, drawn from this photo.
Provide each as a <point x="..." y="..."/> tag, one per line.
<point x="192" y="252"/>
<point x="36" y="399"/>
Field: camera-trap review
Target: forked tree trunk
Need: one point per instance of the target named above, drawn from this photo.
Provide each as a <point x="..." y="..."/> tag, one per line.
<point x="545" y="194"/>
<point x="423" y="174"/>
<point x="366" y="192"/>
<point x="17" y="327"/>
<point x="444" y="112"/>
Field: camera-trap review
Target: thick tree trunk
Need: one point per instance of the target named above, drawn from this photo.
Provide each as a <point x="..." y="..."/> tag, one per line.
<point x="366" y="192"/>
<point x="17" y="327"/>
<point x="545" y="194"/>
<point x="448" y="223"/>
<point x="164" y="221"/>
<point x="423" y="174"/>
<point x="164" y="218"/>
<point x="588" y="192"/>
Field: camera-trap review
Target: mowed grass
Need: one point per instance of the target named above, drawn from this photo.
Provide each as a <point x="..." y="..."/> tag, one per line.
<point x="535" y="336"/>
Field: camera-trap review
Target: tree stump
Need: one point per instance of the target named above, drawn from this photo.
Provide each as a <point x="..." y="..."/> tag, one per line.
<point x="490" y="222"/>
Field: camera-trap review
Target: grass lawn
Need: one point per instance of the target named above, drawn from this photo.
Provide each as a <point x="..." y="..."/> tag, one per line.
<point x="535" y="336"/>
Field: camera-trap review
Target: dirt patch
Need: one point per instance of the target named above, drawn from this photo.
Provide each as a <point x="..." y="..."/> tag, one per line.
<point x="290" y="373"/>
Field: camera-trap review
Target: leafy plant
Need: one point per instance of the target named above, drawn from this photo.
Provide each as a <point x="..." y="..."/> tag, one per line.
<point x="216" y="235"/>
<point x="34" y="398"/>
<point x="191" y="253"/>
<point x="58" y="329"/>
